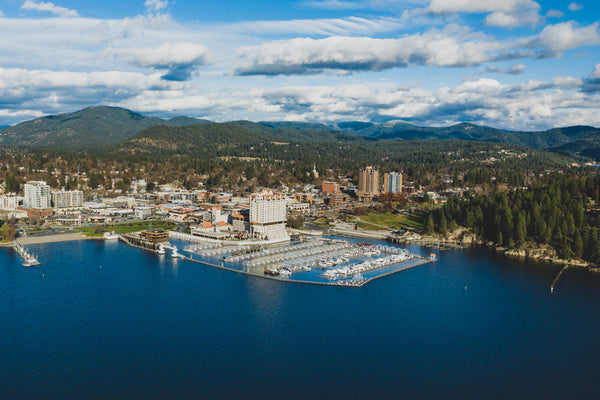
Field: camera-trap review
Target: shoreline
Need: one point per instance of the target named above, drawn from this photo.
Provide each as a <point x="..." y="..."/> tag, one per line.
<point x="64" y="237"/>
<point x="520" y="253"/>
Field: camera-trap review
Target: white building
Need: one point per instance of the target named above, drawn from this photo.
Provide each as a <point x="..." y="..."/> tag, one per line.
<point x="67" y="199"/>
<point x="9" y="201"/>
<point x="268" y="215"/>
<point x="392" y="182"/>
<point x="37" y="195"/>
<point x="143" y="212"/>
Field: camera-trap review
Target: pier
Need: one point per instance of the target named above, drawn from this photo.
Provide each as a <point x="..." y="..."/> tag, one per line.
<point x="29" y="260"/>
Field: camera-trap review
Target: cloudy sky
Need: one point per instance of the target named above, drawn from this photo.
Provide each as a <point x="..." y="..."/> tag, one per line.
<point x="513" y="64"/>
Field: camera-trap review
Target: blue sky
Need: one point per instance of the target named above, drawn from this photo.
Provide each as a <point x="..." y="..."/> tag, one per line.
<point x="515" y="64"/>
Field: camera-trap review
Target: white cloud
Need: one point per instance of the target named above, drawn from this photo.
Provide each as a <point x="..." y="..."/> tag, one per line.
<point x="477" y="6"/>
<point x="1" y="14"/>
<point x="391" y="5"/>
<point x="508" y="20"/>
<point x="452" y="47"/>
<point x="21" y="114"/>
<point x="49" y="7"/>
<point x="505" y="14"/>
<point x="554" y="14"/>
<point x="326" y="26"/>
<point x="596" y="73"/>
<point x="566" y="36"/>
<point x="156" y="5"/>
<point x="163" y="56"/>
<point x="575" y="7"/>
<point x="516" y="69"/>
<point x="23" y="85"/>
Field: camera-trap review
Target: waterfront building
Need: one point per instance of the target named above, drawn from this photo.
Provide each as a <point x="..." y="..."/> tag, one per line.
<point x="155" y="236"/>
<point x="37" y="195"/>
<point x="268" y="215"/>
<point x="67" y="199"/>
<point x="368" y="183"/>
<point x="240" y="219"/>
<point x="392" y="182"/>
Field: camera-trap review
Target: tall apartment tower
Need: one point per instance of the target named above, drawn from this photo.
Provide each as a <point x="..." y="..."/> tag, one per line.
<point x="67" y="199"/>
<point x="392" y="182"/>
<point x="368" y="183"/>
<point x="37" y="195"/>
<point x="268" y="215"/>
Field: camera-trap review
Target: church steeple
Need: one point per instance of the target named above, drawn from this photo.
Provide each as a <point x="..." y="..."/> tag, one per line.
<point x="315" y="172"/>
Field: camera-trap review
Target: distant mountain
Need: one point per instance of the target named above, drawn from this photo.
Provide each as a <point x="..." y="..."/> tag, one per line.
<point x="184" y="121"/>
<point x="93" y="126"/>
<point x="535" y="140"/>
<point x="102" y="126"/>
<point x="299" y="131"/>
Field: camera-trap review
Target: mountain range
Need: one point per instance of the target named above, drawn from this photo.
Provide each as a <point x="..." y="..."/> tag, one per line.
<point x="102" y="126"/>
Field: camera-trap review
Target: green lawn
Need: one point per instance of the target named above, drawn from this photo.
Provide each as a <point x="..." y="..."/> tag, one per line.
<point x="391" y="221"/>
<point x="2" y="230"/>
<point x="125" y="227"/>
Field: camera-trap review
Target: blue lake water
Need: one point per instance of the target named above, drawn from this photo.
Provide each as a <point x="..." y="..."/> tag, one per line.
<point x="104" y="320"/>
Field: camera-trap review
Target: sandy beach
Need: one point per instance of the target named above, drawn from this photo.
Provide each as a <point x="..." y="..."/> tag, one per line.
<point x="66" y="237"/>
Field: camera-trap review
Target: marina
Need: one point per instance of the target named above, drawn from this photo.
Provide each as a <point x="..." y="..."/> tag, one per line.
<point x="325" y="261"/>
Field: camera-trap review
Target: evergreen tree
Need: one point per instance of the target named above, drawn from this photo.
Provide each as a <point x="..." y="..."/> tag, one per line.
<point x="577" y="245"/>
<point x="521" y="228"/>
<point x="443" y="225"/>
<point x="429" y="228"/>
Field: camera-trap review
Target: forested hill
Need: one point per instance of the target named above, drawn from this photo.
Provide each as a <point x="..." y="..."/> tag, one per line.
<point x="553" y="213"/>
<point x="93" y="126"/>
<point x="209" y="142"/>
<point x="206" y="140"/>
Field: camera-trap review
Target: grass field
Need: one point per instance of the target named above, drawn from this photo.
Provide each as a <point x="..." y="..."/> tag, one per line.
<point x="391" y="221"/>
<point x="126" y="227"/>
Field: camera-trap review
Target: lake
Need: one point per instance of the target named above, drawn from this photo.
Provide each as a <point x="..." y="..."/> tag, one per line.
<point x="104" y="320"/>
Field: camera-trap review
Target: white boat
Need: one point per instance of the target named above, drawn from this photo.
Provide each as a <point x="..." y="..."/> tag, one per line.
<point x="161" y="250"/>
<point x="30" y="261"/>
<point x="110" y="235"/>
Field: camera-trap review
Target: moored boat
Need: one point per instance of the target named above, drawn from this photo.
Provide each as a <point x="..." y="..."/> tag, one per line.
<point x="110" y="235"/>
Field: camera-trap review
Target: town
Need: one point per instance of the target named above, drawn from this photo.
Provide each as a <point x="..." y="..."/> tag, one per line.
<point x="262" y="215"/>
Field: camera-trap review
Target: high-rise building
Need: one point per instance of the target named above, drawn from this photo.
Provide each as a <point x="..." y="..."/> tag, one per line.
<point x="37" y="195"/>
<point x="392" y="182"/>
<point x="268" y="215"/>
<point x="67" y="199"/>
<point x="368" y="183"/>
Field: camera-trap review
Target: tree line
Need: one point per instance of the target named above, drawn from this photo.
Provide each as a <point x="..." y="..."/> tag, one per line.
<point x="560" y="212"/>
